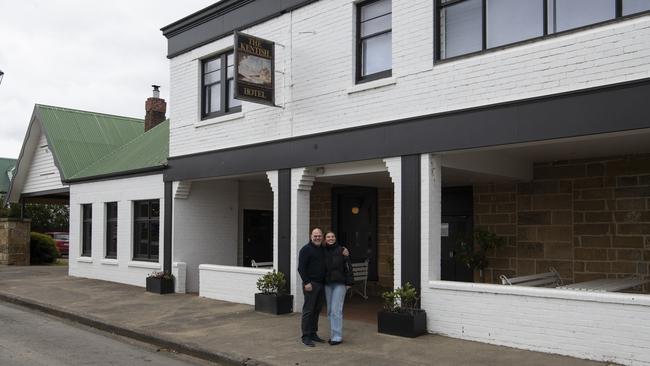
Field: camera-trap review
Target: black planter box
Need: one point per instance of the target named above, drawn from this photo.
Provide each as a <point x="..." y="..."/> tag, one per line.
<point x="274" y="304"/>
<point x="402" y="324"/>
<point x="160" y="285"/>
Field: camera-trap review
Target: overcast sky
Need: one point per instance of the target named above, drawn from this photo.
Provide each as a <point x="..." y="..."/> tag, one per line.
<point x="100" y="56"/>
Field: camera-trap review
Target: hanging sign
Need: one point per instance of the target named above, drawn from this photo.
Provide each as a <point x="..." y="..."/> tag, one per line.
<point x="254" y="70"/>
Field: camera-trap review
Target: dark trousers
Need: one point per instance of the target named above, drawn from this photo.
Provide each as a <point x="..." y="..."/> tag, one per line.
<point x="311" y="309"/>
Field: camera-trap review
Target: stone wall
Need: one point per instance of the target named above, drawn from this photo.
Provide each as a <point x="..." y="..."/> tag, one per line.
<point x="587" y="218"/>
<point x="14" y="242"/>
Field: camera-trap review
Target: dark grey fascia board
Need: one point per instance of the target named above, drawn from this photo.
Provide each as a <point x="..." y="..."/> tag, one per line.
<point x="119" y="175"/>
<point x="222" y="19"/>
<point x="599" y="110"/>
<point x="51" y="192"/>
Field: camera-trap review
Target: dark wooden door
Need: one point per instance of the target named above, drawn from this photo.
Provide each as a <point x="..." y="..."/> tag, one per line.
<point x="258" y="236"/>
<point x="354" y="221"/>
<point x="454" y="229"/>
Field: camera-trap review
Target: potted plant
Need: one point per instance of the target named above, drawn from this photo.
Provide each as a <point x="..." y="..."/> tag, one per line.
<point x="474" y="253"/>
<point x="160" y="283"/>
<point x="401" y="316"/>
<point x="272" y="297"/>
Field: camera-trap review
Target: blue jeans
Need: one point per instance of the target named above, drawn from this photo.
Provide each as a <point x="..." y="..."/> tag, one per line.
<point x="335" y="294"/>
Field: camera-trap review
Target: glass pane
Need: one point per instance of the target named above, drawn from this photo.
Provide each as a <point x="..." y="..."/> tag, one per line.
<point x="462" y="28"/>
<point x="87" y="212"/>
<point x="142" y="209"/>
<point x="231" y="59"/>
<point x="376" y="53"/>
<point x="155" y="208"/>
<point x="376" y="25"/>
<point x="111" y="210"/>
<point x="232" y="102"/>
<point x="510" y="21"/>
<point x="230" y="72"/>
<point x="211" y="78"/>
<point x="155" y="232"/>
<point x="635" y="6"/>
<point x="141" y="238"/>
<point x="375" y="9"/>
<point x="569" y="14"/>
<point x="212" y="65"/>
<point x="213" y="95"/>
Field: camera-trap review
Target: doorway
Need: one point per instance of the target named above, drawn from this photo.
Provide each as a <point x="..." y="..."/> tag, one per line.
<point x="457" y="224"/>
<point x="354" y="220"/>
<point x="258" y="236"/>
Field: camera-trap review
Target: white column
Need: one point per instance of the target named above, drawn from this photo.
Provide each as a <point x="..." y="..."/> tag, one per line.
<point x="273" y="180"/>
<point x="431" y="199"/>
<point x="302" y="179"/>
<point x="394" y="167"/>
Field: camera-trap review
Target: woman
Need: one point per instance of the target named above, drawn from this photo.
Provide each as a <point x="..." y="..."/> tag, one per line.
<point x="338" y="279"/>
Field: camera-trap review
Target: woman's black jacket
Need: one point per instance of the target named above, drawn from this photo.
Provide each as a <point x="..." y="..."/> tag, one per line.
<point x="339" y="267"/>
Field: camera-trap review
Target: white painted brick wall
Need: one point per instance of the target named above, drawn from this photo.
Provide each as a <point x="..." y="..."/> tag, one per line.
<point x="124" y="192"/>
<point x="599" y="326"/>
<point x="234" y="284"/>
<point x="315" y="63"/>
<point x="206" y="227"/>
<point x="394" y="167"/>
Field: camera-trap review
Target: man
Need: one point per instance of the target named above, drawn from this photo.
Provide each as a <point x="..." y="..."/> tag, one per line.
<point x="311" y="266"/>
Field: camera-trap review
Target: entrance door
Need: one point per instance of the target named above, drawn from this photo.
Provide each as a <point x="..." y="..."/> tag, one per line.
<point x="258" y="236"/>
<point x="457" y="211"/>
<point x="354" y="220"/>
<point x="454" y="229"/>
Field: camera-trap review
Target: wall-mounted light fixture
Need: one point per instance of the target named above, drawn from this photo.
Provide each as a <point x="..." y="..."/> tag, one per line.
<point x="2" y="74"/>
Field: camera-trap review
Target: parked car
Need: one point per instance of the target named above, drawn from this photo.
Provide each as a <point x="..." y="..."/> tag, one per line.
<point x="62" y="241"/>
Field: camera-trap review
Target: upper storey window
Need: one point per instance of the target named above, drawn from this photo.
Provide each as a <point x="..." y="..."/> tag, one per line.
<point x="468" y="26"/>
<point x="218" y="86"/>
<point x="374" y="39"/>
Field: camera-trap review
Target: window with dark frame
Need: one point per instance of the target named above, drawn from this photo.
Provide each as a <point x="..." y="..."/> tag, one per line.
<point x="374" y="40"/>
<point x="86" y="229"/>
<point x="471" y="26"/>
<point x="111" y="230"/>
<point x="146" y="230"/>
<point x="218" y="86"/>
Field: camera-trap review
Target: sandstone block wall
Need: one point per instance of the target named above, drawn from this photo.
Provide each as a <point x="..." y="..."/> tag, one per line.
<point x="14" y="242"/>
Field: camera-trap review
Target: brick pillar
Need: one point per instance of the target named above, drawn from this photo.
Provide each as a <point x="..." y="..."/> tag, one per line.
<point x="14" y="242"/>
<point x="155" y="108"/>
<point x="431" y="218"/>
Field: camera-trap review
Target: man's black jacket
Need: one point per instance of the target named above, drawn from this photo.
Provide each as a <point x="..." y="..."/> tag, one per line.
<point x="311" y="264"/>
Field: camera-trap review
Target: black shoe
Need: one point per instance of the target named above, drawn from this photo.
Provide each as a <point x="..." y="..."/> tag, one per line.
<point x="334" y="343"/>
<point x="316" y="338"/>
<point x="308" y="342"/>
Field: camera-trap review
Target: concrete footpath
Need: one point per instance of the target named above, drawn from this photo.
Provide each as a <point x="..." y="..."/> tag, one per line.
<point x="234" y="333"/>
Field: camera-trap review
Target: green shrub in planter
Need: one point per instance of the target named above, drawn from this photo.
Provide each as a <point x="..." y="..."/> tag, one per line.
<point x="272" y="298"/>
<point x="401" y="316"/>
<point x="42" y="249"/>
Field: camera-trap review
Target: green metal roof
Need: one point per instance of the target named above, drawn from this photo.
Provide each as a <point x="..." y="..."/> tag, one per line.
<point x="145" y="152"/>
<point x="79" y="138"/>
<point x="5" y="166"/>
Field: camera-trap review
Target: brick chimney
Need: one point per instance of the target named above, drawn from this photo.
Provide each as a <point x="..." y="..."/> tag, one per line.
<point x="155" y="108"/>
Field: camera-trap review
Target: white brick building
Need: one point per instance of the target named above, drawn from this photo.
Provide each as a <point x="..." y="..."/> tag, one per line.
<point x="537" y="108"/>
<point x="404" y="126"/>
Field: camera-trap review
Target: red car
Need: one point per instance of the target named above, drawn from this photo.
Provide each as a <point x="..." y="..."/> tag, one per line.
<point x="61" y="239"/>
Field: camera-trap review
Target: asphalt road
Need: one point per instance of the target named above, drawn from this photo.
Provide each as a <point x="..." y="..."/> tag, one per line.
<point x="29" y="338"/>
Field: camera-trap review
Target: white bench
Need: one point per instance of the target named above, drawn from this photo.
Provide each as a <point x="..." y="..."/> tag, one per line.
<point x="261" y="264"/>
<point x="360" y="273"/>
<point x="546" y="279"/>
